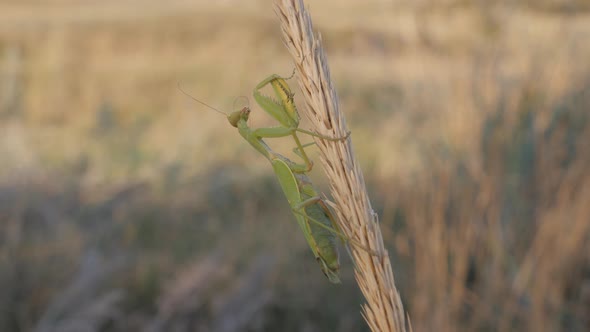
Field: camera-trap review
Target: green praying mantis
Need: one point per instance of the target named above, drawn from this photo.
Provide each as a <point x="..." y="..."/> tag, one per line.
<point x="311" y="211"/>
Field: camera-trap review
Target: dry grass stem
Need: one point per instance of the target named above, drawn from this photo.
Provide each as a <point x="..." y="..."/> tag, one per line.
<point x="383" y="310"/>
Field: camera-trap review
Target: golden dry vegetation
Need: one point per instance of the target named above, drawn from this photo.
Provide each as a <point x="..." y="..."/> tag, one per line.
<point x="125" y="206"/>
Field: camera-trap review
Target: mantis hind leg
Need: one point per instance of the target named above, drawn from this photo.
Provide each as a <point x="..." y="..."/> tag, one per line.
<point x="299" y="209"/>
<point x="286" y="105"/>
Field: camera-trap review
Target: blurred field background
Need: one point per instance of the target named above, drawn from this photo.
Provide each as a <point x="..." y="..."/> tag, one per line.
<point x="125" y="206"/>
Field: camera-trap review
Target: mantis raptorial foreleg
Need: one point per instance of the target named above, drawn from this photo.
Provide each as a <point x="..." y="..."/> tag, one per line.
<point x="285" y="112"/>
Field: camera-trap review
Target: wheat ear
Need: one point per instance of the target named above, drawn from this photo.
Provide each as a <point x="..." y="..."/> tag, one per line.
<point x="383" y="310"/>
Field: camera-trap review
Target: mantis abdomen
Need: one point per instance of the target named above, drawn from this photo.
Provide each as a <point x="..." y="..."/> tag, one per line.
<point x="324" y="238"/>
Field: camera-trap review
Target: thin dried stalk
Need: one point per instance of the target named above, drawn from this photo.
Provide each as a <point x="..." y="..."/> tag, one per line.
<point x="383" y="310"/>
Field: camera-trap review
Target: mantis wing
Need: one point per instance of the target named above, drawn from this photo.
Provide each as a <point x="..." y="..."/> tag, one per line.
<point x="319" y="240"/>
<point x="291" y="189"/>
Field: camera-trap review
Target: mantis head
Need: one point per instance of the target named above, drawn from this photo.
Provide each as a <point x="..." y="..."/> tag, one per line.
<point x="236" y="116"/>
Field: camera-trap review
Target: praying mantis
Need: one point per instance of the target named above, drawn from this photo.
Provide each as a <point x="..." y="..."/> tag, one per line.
<point x="311" y="211"/>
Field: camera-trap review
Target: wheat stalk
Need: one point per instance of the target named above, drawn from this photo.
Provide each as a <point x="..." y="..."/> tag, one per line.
<point x="383" y="310"/>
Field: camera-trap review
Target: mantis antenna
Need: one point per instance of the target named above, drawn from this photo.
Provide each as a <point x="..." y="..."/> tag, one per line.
<point x="198" y="101"/>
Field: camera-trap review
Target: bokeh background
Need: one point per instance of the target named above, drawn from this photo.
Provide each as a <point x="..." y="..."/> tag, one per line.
<point x="126" y="206"/>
